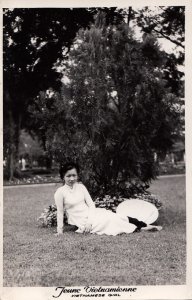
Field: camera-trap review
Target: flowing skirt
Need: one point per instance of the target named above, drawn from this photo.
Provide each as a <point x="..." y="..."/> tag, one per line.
<point x="107" y="222"/>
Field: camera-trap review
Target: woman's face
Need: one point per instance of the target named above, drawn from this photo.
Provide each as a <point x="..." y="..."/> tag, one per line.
<point x="71" y="177"/>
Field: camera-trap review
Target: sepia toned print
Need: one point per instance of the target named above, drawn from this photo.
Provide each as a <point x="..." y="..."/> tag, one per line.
<point x="95" y="143"/>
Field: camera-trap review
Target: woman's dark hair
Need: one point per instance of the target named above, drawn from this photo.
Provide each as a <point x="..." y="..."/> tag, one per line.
<point x="66" y="167"/>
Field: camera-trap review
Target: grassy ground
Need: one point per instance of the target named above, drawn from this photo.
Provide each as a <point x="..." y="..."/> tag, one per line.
<point x="33" y="256"/>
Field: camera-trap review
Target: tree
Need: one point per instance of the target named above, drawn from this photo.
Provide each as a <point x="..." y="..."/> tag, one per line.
<point x="47" y="113"/>
<point x="120" y="111"/>
<point x="29" y="147"/>
<point x="164" y="22"/>
<point x="35" y="43"/>
<point x="35" y="40"/>
<point x="168" y="23"/>
<point x="31" y="50"/>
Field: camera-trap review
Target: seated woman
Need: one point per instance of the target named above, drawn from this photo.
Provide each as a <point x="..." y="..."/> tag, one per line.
<point x="74" y="198"/>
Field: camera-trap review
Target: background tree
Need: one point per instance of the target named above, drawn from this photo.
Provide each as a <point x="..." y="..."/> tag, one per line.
<point x="164" y="22"/>
<point x="47" y="116"/>
<point x="34" y="39"/>
<point x="167" y="23"/>
<point x="29" y="147"/>
<point x="120" y="111"/>
<point x="34" y="42"/>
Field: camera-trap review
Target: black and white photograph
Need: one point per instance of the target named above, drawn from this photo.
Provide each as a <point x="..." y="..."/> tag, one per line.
<point x="95" y="166"/>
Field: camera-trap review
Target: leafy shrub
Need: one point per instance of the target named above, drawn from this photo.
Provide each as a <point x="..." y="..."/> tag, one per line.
<point x="48" y="218"/>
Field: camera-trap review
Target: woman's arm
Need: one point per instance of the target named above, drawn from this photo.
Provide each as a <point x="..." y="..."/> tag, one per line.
<point x="88" y="198"/>
<point x="90" y="204"/>
<point x="60" y="210"/>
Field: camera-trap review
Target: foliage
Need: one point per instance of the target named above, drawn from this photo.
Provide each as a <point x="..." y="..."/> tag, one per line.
<point x="165" y="22"/>
<point x="34" y="57"/>
<point x="26" y="178"/>
<point x="43" y="119"/>
<point x="119" y="110"/>
<point x="31" y="50"/>
<point x="48" y="218"/>
<point x="35" y="40"/>
<point x="29" y="146"/>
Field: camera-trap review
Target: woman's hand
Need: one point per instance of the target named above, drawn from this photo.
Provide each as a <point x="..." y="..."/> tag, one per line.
<point x="88" y="228"/>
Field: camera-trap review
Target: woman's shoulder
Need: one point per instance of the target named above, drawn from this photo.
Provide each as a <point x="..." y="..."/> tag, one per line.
<point x="81" y="186"/>
<point x="60" y="190"/>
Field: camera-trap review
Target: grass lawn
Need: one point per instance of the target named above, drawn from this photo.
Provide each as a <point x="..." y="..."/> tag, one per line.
<point x="33" y="256"/>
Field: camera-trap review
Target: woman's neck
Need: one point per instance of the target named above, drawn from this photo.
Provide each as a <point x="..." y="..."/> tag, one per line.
<point x="71" y="186"/>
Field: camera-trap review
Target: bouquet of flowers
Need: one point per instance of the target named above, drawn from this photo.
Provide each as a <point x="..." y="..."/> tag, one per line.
<point x="151" y="198"/>
<point x="48" y="218"/>
<point x="111" y="202"/>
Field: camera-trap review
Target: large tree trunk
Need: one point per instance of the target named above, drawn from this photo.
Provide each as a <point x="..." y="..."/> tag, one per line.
<point x="49" y="162"/>
<point x="11" y="166"/>
<point x="129" y="15"/>
<point x="49" y="158"/>
<point x="11" y="150"/>
<point x="12" y="142"/>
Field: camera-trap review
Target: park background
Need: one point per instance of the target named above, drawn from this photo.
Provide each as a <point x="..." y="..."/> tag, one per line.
<point x="48" y="110"/>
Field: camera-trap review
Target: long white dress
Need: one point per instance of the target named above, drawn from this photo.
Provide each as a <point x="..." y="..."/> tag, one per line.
<point x="80" y="210"/>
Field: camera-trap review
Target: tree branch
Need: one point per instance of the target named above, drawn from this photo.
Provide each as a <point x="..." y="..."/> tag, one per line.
<point x="129" y="15"/>
<point x="168" y="38"/>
